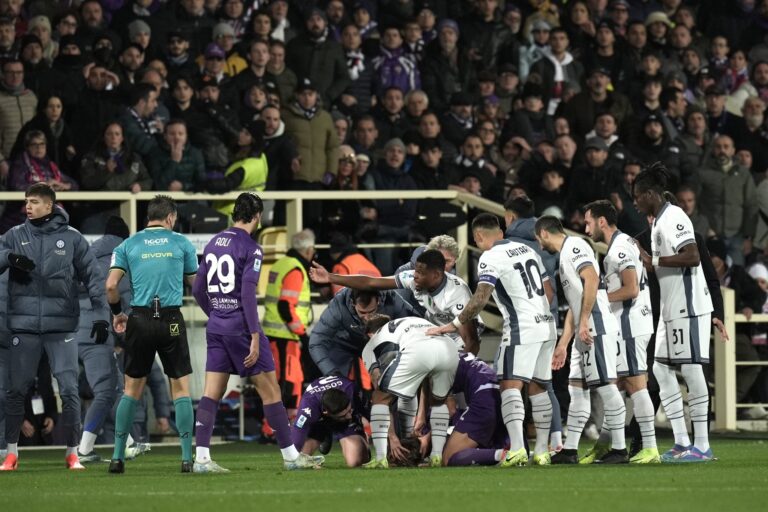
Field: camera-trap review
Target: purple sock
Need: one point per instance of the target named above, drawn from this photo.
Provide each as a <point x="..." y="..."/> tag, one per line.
<point x="278" y="420"/>
<point x="205" y="419"/>
<point x="474" y="457"/>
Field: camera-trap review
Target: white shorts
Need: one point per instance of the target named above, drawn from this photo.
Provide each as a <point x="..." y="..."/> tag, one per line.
<point x="525" y="362"/>
<point x="434" y="359"/>
<point x="684" y="340"/>
<point x="597" y="364"/>
<point x="633" y="356"/>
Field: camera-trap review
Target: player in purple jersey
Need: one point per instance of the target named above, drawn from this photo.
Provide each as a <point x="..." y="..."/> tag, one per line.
<point x="479" y="433"/>
<point x="332" y="405"/>
<point x="226" y="291"/>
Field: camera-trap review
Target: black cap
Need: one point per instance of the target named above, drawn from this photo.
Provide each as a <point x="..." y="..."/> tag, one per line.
<point x="601" y="70"/>
<point x="714" y="90"/>
<point x="429" y="144"/>
<point x="508" y="68"/>
<point x="532" y="90"/>
<point x="486" y="76"/>
<point x="652" y="118"/>
<point x="716" y="247"/>
<point x="605" y="24"/>
<point x="595" y="143"/>
<point x="461" y="99"/>
<point x="305" y="84"/>
<point x="177" y="34"/>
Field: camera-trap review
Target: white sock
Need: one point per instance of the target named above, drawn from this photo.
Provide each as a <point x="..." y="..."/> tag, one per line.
<point x="497" y="455"/>
<point x="202" y="454"/>
<point x="87" y="442"/>
<point x="438" y="423"/>
<point x="129" y="440"/>
<point x="672" y="401"/>
<point x="513" y="414"/>
<point x="13" y="448"/>
<point x="406" y="414"/>
<point x="614" y="415"/>
<point x="541" y="411"/>
<point x="698" y="404"/>
<point x="380" y="429"/>
<point x="605" y="431"/>
<point x="578" y="414"/>
<point x="71" y="450"/>
<point x="643" y="407"/>
<point x="556" y="439"/>
<point x="289" y="453"/>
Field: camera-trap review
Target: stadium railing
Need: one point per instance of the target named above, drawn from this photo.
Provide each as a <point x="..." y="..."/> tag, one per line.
<point x="726" y="365"/>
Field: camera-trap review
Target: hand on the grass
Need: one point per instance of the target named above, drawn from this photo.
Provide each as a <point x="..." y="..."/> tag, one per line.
<point x="396" y="449"/>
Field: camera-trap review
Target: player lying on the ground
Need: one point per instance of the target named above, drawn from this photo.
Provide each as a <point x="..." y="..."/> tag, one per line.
<point x="332" y="406"/>
<point x="478" y="433"/>
<point x="399" y="356"/>
<point x="512" y="272"/>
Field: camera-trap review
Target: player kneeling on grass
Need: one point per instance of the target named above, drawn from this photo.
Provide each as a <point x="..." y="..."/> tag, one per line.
<point x="400" y="356"/>
<point x="225" y="289"/>
<point x="512" y="273"/>
<point x="479" y="432"/>
<point x="332" y="405"/>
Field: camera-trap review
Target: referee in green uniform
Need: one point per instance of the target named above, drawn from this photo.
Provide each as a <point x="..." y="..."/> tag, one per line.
<point x="156" y="260"/>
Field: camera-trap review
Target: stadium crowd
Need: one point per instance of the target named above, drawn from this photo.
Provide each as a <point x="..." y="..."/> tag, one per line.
<point x="562" y="102"/>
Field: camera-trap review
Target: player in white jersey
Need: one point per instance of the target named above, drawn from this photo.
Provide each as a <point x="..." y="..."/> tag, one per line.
<point x="685" y="323"/>
<point x="627" y="285"/>
<point x="400" y="356"/>
<point x="442" y="295"/>
<point x="513" y="273"/>
<point x="594" y="351"/>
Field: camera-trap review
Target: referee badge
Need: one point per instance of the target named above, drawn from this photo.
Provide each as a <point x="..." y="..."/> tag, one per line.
<point x="174" y="329"/>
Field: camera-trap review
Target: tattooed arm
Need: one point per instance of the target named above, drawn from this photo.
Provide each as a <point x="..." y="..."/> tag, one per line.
<point x="471" y="310"/>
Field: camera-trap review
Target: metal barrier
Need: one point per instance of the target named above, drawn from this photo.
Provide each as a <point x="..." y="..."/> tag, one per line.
<point x="726" y="365"/>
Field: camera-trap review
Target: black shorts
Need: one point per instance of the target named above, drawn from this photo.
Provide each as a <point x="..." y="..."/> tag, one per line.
<point x="166" y="336"/>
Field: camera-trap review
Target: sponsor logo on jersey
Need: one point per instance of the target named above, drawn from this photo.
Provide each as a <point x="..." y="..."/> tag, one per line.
<point x="155" y="255"/>
<point x="622" y="255"/>
<point x="680" y="227"/>
<point x="155" y="241"/>
<point x="459" y="306"/>
<point x="483" y="265"/>
<point x="576" y="250"/>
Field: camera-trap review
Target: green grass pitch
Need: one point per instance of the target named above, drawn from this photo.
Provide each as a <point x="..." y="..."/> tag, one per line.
<point x="738" y="481"/>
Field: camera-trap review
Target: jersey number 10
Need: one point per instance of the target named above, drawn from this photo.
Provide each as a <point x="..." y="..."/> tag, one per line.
<point x="223" y="268"/>
<point x="531" y="276"/>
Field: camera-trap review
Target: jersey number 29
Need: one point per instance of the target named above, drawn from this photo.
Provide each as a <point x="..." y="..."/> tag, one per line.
<point x="223" y="268"/>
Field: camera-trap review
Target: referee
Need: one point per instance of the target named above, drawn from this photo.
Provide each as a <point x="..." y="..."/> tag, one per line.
<point x="156" y="261"/>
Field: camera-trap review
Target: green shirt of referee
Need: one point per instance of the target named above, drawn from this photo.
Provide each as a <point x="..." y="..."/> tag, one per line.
<point x="157" y="261"/>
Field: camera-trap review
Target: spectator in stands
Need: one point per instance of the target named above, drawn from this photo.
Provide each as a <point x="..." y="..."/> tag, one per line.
<point x="446" y="69"/>
<point x="605" y="54"/>
<point x="392" y="68"/>
<point x="653" y="145"/>
<point x="178" y="58"/>
<point x="395" y="217"/>
<point x="482" y="31"/>
<point x="584" y="106"/>
<point x="538" y="42"/>
<point x="136" y="119"/>
<point x="58" y="135"/>
<point x="113" y="165"/>
<point x="285" y="79"/>
<point x="283" y="31"/>
<point x="430" y="128"/>
<point x="719" y="120"/>
<point x="472" y="159"/>
<point x="224" y="36"/>
<point x="416" y="104"/>
<point x="752" y="134"/>
<point x="321" y="59"/>
<point x="98" y="104"/>
<point x="595" y="179"/>
<point x="428" y="171"/>
<point x="255" y="74"/>
<point x="580" y="28"/>
<point x="40" y="26"/>
<point x="17" y="106"/>
<point x="347" y="260"/>
<point x="531" y="122"/>
<point x="260" y="26"/>
<point x="40" y="78"/>
<point x="458" y="122"/>
<point x="391" y="121"/>
<point x="556" y="68"/>
<point x="33" y="166"/>
<point x="357" y="97"/>
<point x="695" y="141"/>
<point x="756" y="86"/>
<point x="366" y="136"/>
<point x="686" y="199"/>
<point x="175" y="165"/>
<point x="190" y="17"/>
<point x="280" y="148"/>
<point x="728" y="190"/>
<point x="673" y="106"/>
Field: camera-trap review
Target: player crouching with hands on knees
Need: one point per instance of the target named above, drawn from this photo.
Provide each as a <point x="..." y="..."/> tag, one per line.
<point x="400" y="356"/>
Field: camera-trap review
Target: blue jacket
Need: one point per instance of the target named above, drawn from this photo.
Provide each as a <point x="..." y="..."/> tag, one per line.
<point x="45" y="300"/>
<point x="102" y="250"/>
<point x="521" y="231"/>
<point x="339" y="336"/>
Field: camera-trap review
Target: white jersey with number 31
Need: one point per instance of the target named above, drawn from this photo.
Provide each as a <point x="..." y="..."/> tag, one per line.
<point x="683" y="290"/>
<point x="516" y="273"/>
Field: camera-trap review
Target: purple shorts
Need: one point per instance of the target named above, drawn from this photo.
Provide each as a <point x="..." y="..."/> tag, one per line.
<point x="226" y="353"/>
<point x="481" y="420"/>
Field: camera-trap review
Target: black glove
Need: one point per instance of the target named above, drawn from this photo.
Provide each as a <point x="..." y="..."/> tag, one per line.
<point x="21" y="262"/>
<point x="100" y="331"/>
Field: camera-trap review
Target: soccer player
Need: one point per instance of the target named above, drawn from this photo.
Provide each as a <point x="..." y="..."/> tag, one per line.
<point x="225" y="289"/>
<point x="47" y="260"/>
<point x="479" y="433"/>
<point x="630" y="298"/>
<point x="512" y="273"/>
<point x="593" y="353"/>
<point x="682" y="338"/>
<point x="332" y="406"/>
<point x="157" y="261"/>
<point x="399" y="356"/>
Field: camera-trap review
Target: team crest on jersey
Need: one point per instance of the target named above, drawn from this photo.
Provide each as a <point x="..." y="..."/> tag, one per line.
<point x="174" y="329"/>
<point x="15" y="341"/>
<point x="60" y="244"/>
<point x="60" y="247"/>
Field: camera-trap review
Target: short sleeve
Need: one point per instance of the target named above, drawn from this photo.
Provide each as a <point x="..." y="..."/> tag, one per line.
<point x="460" y="298"/>
<point x="682" y="229"/>
<point x="405" y="279"/>
<point x="487" y="271"/>
<point x="579" y="255"/>
<point x="190" y="258"/>
<point x="623" y="257"/>
<point x="119" y="258"/>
